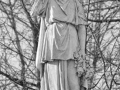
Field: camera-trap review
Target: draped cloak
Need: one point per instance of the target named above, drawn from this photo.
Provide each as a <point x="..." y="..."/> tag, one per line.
<point x="59" y="40"/>
<point x="60" y="37"/>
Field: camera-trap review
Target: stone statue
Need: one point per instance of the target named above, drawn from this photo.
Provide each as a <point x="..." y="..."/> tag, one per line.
<point x="61" y="43"/>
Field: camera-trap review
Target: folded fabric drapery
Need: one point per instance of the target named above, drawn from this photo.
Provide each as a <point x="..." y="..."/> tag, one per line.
<point x="39" y="53"/>
<point x="58" y="38"/>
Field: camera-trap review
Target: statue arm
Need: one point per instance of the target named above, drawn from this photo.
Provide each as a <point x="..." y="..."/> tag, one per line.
<point x="81" y="27"/>
<point x="82" y="39"/>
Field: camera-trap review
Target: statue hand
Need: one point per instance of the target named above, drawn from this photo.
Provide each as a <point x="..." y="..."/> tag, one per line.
<point x="82" y="54"/>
